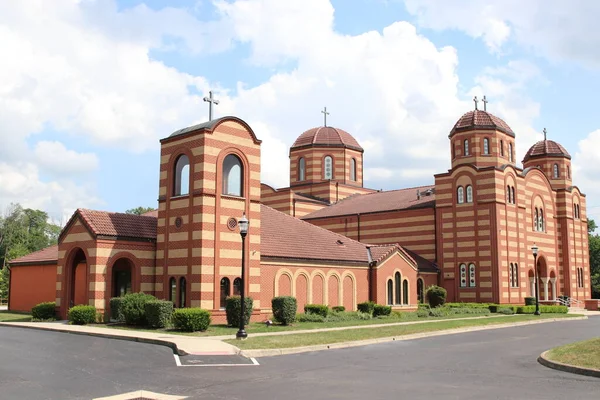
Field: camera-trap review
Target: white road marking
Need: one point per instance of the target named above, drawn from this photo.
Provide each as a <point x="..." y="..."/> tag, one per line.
<point x="178" y="363"/>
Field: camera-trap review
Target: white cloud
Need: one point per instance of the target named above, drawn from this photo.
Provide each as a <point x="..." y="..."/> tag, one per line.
<point x="55" y="158"/>
<point x="586" y="171"/>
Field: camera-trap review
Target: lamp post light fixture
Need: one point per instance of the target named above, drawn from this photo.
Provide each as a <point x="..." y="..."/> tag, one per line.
<point x="534" y="250"/>
<point x="243" y="223"/>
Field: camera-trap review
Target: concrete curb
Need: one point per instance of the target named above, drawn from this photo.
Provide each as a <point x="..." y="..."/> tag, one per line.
<point x="341" y="345"/>
<point x="546" y="362"/>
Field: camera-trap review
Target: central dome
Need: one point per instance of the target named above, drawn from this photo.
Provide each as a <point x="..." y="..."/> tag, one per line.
<point x="478" y="119"/>
<point x="327" y="136"/>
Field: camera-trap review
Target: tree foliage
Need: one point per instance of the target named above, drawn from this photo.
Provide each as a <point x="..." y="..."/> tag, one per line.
<point x="139" y="210"/>
<point x="594" y="247"/>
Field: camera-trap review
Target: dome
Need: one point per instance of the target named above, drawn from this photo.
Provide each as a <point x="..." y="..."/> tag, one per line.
<point x="327" y="136"/>
<point x="546" y="148"/>
<point x="478" y="119"/>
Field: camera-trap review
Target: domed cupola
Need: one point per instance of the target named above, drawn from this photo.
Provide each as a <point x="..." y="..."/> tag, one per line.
<point x="553" y="159"/>
<point x="481" y="139"/>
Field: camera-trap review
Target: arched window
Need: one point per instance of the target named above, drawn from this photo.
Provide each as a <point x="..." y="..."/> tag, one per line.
<point x="502" y="148"/>
<point x="516" y="275"/>
<point x="405" y="292"/>
<point x="512" y="192"/>
<point x="486" y="146"/>
<point x="181" y="182"/>
<point x="237" y="286"/>
<point x="466" y="144"/>
<point x="182" y="290"/>
<point x="510" y="152"/>
<point x="460" y="195"/>
<point x="556" y="172"/>
<point x="508" y="198"/>
<point x="472" y="281"/>
<point x="535" y="220"/>
<point x="390" y="292"/>
<point x="353" y="169"/>
<point x="232" y="175"/>
<point x="224" y="291"/>
<point x="173" y="290"/>
<point x="420" y="290"/>
<point x="512" y="275"/>
<point x="469" y="194"/>
<point x="328" y="167"/>
<point x="541" y="222"/>
<point x="568" y="172"/>
<point x="463" y="275"/>
<point x="398" y="284"/>
<point x="453" y="151"/>
<point x="301" y="169"/>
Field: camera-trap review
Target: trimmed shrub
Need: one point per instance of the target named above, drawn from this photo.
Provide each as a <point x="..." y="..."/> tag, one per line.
<point x="116" y="309"/>
<point x="530" y="301"/>
<point x="543" y="309"/>
<point x="363" y="316"/>
<point x="378" y="310"/>
<point x="440" y="312"/>
<point x="44" y="311"/>
<point x="423" y="306"/>
<point x="467" y="310"/>
<point x="423" y="313"/>
<point x="82" y="315"/>
<point x="233" y="305"/>
<point x="367" y="307"/>
<point x="191" y="319"/>
<point x="436" y="296"/>
<point x="467" y="305"/>
<point x="284" y="309"/>
<point x="310" y="318"/>
<point x="133" y="308"/>
<point x="320" y="309"/>
<point x="158" y="313"/>
<point x="338" y="308"/>
<point x="342" y="316"/>
<point x="505" y="310"/>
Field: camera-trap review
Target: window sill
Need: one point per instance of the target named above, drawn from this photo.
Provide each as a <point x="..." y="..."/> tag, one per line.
<point x="180" y="196"/>
<point x="232" y="196"/>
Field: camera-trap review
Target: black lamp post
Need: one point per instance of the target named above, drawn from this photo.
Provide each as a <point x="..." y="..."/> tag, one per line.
<point x="534" y="250"/>
<point x="243" y="223"/>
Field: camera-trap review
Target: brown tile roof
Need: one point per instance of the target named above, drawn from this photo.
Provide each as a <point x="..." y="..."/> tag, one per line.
<point x="44" y="256"/>
<point x="423" y="265"/>
<point x="379" y="201"/>
<point x="478" y="119"/>
<point x="120" y="224"/>
<point x="153" y="213"/>
<point x="546" y="148"/>
<point x="326" y="136"/>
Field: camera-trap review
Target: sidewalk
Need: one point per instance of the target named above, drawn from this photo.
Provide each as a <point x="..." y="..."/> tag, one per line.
<point x="180" y="344"/>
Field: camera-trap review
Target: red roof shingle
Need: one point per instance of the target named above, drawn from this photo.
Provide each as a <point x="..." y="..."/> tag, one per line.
<point x="44" y="256"/>
<point x="327" y="136"/>
<point x="120" y="224"/>
<point x="478" y="119"/>
<point x="546" y="148"/>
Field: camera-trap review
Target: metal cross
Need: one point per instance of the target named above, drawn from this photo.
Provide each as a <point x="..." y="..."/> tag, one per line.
<point x="476" y="101"/>
<point x="545" y="134"/>
<point x="484" y="103"/>
<point x="325" y="114"/>
<point x="211" y="101"/>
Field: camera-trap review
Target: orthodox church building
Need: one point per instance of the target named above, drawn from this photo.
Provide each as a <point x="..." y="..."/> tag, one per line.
<point x="326" y="239"/>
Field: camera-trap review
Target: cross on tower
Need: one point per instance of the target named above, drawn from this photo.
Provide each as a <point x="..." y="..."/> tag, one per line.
<point x="325" y="114"/>
<point x="484" y="103"/>
<point x="545" y="134"/>
<point x="210" y="101"/>
<point x="476" y="101"/>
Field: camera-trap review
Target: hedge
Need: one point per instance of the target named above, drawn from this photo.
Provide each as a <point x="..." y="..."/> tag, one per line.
<point x="233" y="306"/>
<point x="191" y="319"/>
<point x="530" y="301"/>
<point x="284" y="309"/>
<point x="133" y="308"/>
<point x="116" y="309"/>
<point x="543" y="309"/>
<point x="367" y="307"/>
<point x="44" y="311"/>
<point x="467" y="305"/>
<point x="310" y="318"/>
<point x="320" y="309"/>
<point x="158" y="313"/>
<point x="436" y="296"/>
<point x="338" y="308"/>
<point x="82" y="315"/>
<point x="378" y="310"/>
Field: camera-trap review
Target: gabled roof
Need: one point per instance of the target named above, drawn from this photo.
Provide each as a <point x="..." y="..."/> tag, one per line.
<point x="49" y="255"/>
<point x="326" y="136"/>
<point x="378" y="202"/>
<point x="423" y="265"/>
<point x="546" y="148"/>
<point x="479" y="119"/>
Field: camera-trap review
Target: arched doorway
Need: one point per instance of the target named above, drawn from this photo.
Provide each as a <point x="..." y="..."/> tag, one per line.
<point x="543" y="279"/>
<point x="122" y="272"/>
<point x="78" y="279"/>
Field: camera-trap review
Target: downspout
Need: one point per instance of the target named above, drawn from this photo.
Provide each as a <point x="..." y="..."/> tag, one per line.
<point x="370" y="275"/>
<point x="293" y="207"/>
<point x="358" y="221"/>
<point x="337" y="192"/>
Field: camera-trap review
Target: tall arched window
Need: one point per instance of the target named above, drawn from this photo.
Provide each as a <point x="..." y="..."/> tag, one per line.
<point x="224" y="291"/>
<point x="508" y="199"/>
<point x="512" y="192"/>
<point x="237" y="286"/>
<point x="420" y="290"/>
<point x="173" y="290"/>
<point x="568" y="172"/>
<point x="472" y="281"/>
<point x="466" y="147"/>
<point x="390" y="292"/>
<point x="516" y="275"/>
<point x="181" y="183"/>
<point x="398" y="284"/>
<point x="460" y="195"/>
<point x="535" y="219"/>
<point x="328" y="167"/>
<point x="232" y="175"/>
<point x="510" y="152"/>
<point x="556" y="172"/>
<point x="182" y="292"/>
<point x="301" y="169"/>
<point x="405" y="292"/>
<point x="353" y="169"/>
<point x="486" y="146"/>
<point x="502" y="148"/>
<point x="469" y="194"/>
<point x="512" y="275"/>
<point x="541" y="222"/>
<point x="463" y="275"/>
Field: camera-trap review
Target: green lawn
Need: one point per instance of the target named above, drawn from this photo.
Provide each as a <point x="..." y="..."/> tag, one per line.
<point x="308" y="339"/>
<point x="581" y="354"/>
<point x="7" y="316"/>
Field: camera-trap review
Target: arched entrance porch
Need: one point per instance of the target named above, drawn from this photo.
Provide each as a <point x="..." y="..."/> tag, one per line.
<point x="77" y="279"/>
<point x="546" y="281"/>
<point x="122" y="277"/>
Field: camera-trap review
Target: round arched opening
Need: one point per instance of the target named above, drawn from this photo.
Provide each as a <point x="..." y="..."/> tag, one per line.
<point x="122" y="272"/>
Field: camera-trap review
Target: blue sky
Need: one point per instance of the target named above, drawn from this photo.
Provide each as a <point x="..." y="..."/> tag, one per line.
<point x="86" y="95"/>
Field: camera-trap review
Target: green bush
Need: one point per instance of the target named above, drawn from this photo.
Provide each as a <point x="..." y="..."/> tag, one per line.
<point x="530" y="301"/>
<point x="439" y="312"/>
<point x="423" y="305"/>
<point x="310" y="318"/>
<point x="284" y="309"/>
<point x="543" y="309"/>
<point x="367" y="307"/>
<point x="378" y="310"/>
<point x="467" y="305"/>
<point x="82" y="315"/>
<point x="44" y="311"/>
<point x="505" y="310"/>
<point x="158" y="313"/>
<point x="191" y="319"/>
<point x="423" y="313"/>
<point x="133" y="308"/>
<point x="233" y="306"/>
<point x="320" y="309"/>
<point x="469" y="310"/>
<point x="342" y="316"/>
<point x="116" y="309"/>
<point x="436" y="296"/>
<point x="363" y="316"/>
<point x="338" y="308"/>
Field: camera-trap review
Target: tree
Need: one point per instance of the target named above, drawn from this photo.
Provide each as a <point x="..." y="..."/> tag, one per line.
<point x="591" y="226"/>
<point x="594" y="248"/>
<point x="139" y="210"/>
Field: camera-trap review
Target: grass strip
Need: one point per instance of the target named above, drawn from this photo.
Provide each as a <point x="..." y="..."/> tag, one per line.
<point x="6" y="316"/>
<point x="310" y="339"/>
<point x="584" y="354"/>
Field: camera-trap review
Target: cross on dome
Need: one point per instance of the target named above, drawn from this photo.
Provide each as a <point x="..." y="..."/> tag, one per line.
<point x="210" y="101"/>
<point x="325" y="114"/>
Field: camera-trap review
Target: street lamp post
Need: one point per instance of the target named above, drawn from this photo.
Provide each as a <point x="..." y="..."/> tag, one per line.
<point x="534" y="250"/>
<point x="243" y="223"/>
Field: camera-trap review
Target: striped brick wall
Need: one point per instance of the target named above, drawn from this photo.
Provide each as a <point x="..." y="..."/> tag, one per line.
<point x="476" y="155"/>
<point x="314" y="157"/>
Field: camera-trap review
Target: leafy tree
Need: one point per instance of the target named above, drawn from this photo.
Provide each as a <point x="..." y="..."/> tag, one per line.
<point x="594" y="247"/>
<point x="591" y="226"/>
<point x="140" y="210"/>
